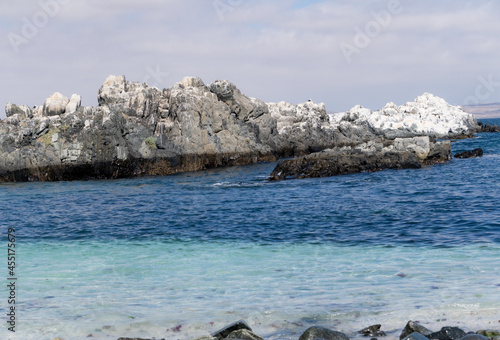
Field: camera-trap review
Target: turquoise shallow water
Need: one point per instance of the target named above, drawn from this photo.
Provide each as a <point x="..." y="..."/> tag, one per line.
<point x="141" y="257"/>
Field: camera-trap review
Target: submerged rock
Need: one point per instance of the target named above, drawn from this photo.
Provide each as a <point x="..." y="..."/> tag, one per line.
<point x="470" y="154"/>
<point x="322" y="333"/>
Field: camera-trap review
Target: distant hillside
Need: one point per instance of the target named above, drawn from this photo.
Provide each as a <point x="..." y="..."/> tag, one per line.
<point x="491" y="110"/>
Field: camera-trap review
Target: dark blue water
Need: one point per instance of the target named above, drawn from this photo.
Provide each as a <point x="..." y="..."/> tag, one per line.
<point x="444" y="206"/>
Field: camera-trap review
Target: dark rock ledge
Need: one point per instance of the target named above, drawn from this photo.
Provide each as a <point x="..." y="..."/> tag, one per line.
<point x="402" y="153"/>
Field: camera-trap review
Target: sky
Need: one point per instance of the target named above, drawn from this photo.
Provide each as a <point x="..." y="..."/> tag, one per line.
<point x="339" y="52"/>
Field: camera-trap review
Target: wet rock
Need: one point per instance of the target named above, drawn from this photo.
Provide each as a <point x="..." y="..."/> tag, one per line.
<point x="322" y="333"/>
<point x="488" y="127"/>
<point x="414" y="327"/>
<point x="416" y="336"/>
<point x="373" y="330"/>
<point x="224" y="332"/>
<point x="245" y="334"/>
<point x="348" y="160"/>
<point x="447" y="333"/>
<point x="470" y="154"/>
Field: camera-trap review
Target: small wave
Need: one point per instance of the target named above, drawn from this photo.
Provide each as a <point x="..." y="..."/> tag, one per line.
<point x="238" y="184"/>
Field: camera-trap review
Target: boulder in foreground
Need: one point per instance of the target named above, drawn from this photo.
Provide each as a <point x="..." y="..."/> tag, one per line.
<point x="322" y="333"/>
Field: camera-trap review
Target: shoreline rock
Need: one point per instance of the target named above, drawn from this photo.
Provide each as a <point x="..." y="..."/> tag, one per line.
<point x="470" y="154"/>
<point x="488" y="127"/>
<point x="402" y="153"/>
<point x="140" y="130"/>
<point x="412" y="331"/>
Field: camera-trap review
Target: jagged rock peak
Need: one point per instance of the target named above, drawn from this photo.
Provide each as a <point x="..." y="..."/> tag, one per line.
<point x="426" y="115"/>
<point x="55" y="105"/>
<point x="192" y="82"/>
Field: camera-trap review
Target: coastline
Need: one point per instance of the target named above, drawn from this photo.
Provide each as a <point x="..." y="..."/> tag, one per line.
<point x="140" y="130"/>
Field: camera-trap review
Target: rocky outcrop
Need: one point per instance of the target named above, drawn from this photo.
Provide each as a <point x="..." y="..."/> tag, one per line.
<point x="426" y="115"/>
<point x="21" y="111"/>
<point x="470" y="154"/>
<point x="74" y="103"/>
<point x="141" y="130"/>
<point x="135" y="130"/>
<point x="488" y="127"/>
<point x="372" y="331"/>
<point x="414" y="327"/>
<point x="55" y="105"/>
<point x="407" y="153"/>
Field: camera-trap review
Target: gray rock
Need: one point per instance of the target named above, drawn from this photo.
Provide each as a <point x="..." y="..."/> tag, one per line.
<point x="416" y="336"/>
<point x="440" y="152"/>
<point x="322" y="333"/>
<point x="235" y="326"/>
<point x="488" y="127"/>
<point x="470" y="154"/>
<point x="414" y="327"/>
<point x="372" y="331"/>
<point x="344" y="161"/>
<point x="74" y="103"/>
<point x="447" y="333"/>
<point x="245" y="334"/>
<point x="141" y="130"/>
<point x="21" y="110"/>
<point x="55" y="105"/>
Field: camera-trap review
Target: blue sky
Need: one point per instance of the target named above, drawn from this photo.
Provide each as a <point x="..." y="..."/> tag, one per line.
<point x="342" y="53"/>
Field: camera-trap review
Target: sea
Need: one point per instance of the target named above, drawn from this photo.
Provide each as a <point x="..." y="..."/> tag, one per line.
<point x="178" y="257"/>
